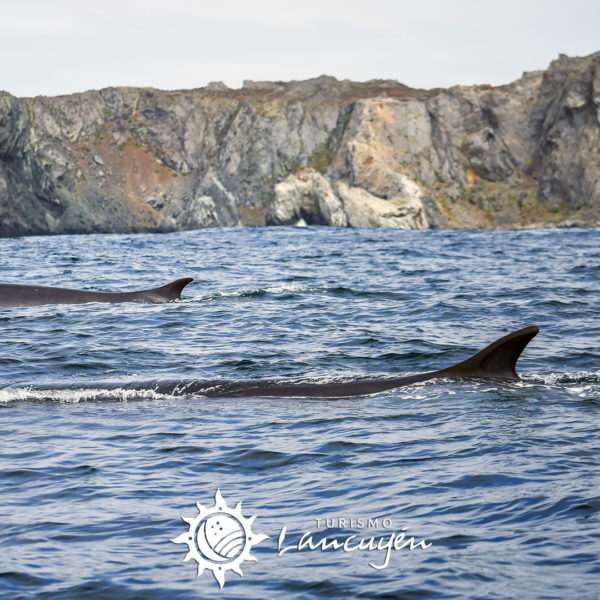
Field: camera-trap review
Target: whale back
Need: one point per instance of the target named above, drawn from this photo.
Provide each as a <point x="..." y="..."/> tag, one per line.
<point x="166" y="293"/>
<point x="496" y="361"/>
<point x="35" y="295"/>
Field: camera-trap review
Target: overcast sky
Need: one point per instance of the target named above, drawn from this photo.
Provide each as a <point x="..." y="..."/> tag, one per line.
<point x="63" y="46"/>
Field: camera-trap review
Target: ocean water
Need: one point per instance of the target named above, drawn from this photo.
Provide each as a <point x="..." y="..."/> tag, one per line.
<point x="501" y="481"/>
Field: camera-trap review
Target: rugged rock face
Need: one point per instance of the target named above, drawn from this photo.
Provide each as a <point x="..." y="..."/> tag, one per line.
<point x="323" y="151"/>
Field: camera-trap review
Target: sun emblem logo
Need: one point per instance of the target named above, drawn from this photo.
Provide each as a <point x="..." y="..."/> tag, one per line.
<point x="219" y="538"/>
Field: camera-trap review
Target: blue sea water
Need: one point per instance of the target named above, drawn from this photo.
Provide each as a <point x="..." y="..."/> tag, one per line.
<point x="502" y="479"/>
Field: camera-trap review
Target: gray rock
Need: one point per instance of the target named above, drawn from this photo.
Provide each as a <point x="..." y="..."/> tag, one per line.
<point x="211" y="206"/>
<point x="488" y="155"/>
<point x="366" y="210"/>
<point x="217" y="86"/>
<point x="306" y="197"/>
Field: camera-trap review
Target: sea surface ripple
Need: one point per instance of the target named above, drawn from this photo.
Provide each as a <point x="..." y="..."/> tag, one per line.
<point x="502" y="479"/>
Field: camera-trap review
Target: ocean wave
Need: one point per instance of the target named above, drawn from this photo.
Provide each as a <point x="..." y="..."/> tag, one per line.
<point x="295" y="289"/>
<point x="566" y="379"/>
<point x="74" y="396"/>
<point x="284" y="288"/>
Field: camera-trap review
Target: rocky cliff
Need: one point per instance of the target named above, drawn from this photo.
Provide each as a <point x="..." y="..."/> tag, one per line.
<point x="323" y="151"/>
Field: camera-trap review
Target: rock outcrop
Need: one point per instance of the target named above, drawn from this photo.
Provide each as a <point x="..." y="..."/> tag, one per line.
<point x="322" y="151"/>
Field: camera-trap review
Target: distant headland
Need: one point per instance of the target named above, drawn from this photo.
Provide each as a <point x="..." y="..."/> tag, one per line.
<point x="321" y="151"/>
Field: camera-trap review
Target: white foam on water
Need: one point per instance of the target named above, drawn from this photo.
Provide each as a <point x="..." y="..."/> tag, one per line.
<point x="283" y="288"/>
<point x="287" y="287"/>
<point x="74" y="396"/>
<point x="561" y="379"/>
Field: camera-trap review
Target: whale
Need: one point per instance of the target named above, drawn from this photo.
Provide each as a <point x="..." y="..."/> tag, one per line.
<point x="496" y="362"/>
<point x="12" y="295"/>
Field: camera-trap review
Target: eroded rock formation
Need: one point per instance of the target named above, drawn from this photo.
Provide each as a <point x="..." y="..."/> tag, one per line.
<point x="325" y="151"/>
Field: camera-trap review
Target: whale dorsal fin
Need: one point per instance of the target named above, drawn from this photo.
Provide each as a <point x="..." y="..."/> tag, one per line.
<point x="172" y="291"/>
<point x="498" y="360"/>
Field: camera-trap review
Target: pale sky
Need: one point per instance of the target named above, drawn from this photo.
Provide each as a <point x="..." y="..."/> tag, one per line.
<point x="62" y="46"/>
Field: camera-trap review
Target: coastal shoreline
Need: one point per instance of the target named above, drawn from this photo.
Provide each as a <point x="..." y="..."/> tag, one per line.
<point x="320" y="152"/>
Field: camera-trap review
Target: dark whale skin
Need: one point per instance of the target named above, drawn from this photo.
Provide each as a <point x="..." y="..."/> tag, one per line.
<point x="495" y="362"/>
<point x="36" y="295"/>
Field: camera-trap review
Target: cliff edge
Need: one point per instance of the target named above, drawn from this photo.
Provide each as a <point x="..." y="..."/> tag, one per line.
<point x="325" y="151"/>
